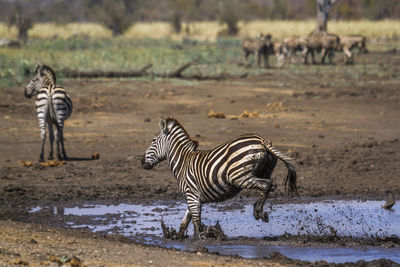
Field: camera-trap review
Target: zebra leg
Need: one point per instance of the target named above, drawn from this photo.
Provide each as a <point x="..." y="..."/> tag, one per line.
<point x="246" y="58"/>
<point x="266" y="63"/>
<point x="331" y="55"/>
<point x="313" y="57"/>
<point x="257" y="57"/>
<point x="184" y="224"/>
<point x="258" y="212"/>
<point x="51" y="138"/>
<point x="348" y="55"/>
<point x="264" y="185"/>
<point x="60" y="142"/>
<point x="43" y="138"/>
<point x="290" y="56"/>
<point x="195" y="211"/>
<point x="305" y="53"/>
<point x="280" y="59"/>
<point x="56" y="133"/>
<point x="323" y="53"/>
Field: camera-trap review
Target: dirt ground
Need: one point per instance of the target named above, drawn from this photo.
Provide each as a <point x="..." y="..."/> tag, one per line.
<point x="343" y="132"/>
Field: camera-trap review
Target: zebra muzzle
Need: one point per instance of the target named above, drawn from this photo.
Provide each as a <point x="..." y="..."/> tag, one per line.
<point x="27" y="95"/>
<point x="145" y="164"/>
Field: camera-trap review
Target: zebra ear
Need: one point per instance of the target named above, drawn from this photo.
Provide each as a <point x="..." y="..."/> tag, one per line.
<point x="39" y="69"/>
<point x="163" y="125"/>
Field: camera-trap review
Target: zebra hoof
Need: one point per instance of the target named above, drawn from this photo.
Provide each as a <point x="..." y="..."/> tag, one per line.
<point x="257" y="215"/>
<point x="50" y="157"/>
<point x="181" y="236"/>
<point x="41" y="159"/>
<point x="265" y="217"/>
<point x="197" y="237"/>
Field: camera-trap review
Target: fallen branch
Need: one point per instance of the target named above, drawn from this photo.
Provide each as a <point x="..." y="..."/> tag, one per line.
<point x="223" y="76"/>
<point x="108" y="74"/>
<point x="178" y="72"/>
<point x="143" y="72"/>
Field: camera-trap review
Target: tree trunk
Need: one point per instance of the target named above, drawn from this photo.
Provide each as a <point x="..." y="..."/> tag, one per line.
<point x="323" y="8"/>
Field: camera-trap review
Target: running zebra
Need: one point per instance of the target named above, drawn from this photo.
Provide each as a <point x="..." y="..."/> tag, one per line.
<point x="244" y="162"/>
<point x="53" y="106"/>
<point x="348" y="43"/>
<point x="323" y="42"/>
<point x="259" y="47"/>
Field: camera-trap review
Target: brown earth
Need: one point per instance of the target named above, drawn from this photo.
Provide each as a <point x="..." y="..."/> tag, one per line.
<point x="342" y="129"/>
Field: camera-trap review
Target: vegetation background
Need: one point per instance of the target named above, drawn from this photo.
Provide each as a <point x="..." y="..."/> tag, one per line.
<point x="129" y="34"/>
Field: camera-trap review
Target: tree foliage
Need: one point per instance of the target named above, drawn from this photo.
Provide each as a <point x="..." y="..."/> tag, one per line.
<point x="382" y="9"/>
<point x="230" y="15"/>
<point x="21" y="17"/>
<point x="115" y="15"/>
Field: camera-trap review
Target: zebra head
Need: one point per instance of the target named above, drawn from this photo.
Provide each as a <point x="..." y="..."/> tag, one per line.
<point x="44" y="77"/>
<point x="158" y="148"/>
<point x="266" y="38"/>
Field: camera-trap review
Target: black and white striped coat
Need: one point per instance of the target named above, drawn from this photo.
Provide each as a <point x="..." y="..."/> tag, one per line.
<point x="323" y="42"/>
<point x="259" y="47"/>
<point x="244" y="162"/>
<point x="53" y="107"/>
<point x="293" y="45"/>
<point x="280" y="51"/>
<point x="350" y="42"/>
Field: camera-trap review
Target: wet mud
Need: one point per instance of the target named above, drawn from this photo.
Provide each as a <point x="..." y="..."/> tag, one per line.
<point x="335" y="231"/>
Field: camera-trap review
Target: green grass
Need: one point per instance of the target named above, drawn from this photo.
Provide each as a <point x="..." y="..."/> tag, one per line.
<point x="124" y="54"/>
<point x="120" y="54"/>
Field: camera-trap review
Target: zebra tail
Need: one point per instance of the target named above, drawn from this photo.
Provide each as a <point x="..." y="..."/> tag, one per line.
<point x="291" y="178"/>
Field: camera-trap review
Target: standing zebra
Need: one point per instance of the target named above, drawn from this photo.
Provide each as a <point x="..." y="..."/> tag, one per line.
<point x="244" y="162"/>
<point x="279" y="50"/>
<point x="323" y="42"/>
<point x="53" y="106"/>
<point x="292" y="45"/>
<point x="259" y="46"/>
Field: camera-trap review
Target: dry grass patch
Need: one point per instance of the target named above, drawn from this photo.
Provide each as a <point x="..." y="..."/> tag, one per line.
<point x="208" y="30"/>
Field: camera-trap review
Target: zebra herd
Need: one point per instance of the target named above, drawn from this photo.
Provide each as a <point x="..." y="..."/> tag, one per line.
<point x="244" y="162"/>
<point x="263" y="47"/>
<point x="315" y="42"/>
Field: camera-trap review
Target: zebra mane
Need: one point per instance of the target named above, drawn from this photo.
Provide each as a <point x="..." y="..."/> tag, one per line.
<point x="50" y="76"/>
<point x="176" y="123"/>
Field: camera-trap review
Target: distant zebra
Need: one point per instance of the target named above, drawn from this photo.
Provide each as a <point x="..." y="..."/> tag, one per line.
<point x="348" y="43"/>
<point x="280" y="51"/>
<point x="293" y="45"/>
<point x="259" y="47"/>
<point x="323" y="42"/>
<point x="53" y="106"/>
<point x="244" y="162"/>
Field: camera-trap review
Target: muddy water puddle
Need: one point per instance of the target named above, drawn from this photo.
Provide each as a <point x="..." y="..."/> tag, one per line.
<point x="246" y="236"/>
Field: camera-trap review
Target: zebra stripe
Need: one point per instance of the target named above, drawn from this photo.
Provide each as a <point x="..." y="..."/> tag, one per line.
<point x="53" y="107"/>
<point x="280" y="50"/>
<point x="348" y="43"/>
<point x="244" y="162"/>
<point x="259" y="47"/>
<point x="322" y="42"/>
<point x="293" y="45"/>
